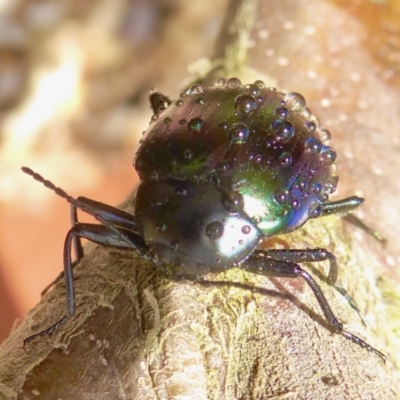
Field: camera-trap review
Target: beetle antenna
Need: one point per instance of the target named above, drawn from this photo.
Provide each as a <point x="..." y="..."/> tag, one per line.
<point x="60" y="192"/>
<point x="78" y="204"/>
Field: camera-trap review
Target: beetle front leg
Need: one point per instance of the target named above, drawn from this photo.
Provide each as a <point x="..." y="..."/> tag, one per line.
<point x="260" y="263"/>
<point x="111" y="215"/>
<point x="99" y="234"/>
<point x="347" y="205"/>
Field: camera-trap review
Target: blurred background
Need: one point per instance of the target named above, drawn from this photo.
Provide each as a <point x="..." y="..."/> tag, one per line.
<point x="74" y="82"/>
<point x="75" y="77"/>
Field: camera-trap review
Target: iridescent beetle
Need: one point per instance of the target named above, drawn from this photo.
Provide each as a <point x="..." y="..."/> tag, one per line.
<point x="221" y="169"/>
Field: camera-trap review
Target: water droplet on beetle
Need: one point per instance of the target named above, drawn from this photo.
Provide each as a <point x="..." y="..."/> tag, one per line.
<point x="260" y="84"/>
<point x="317" y="212"/>
<point x="221" y="82"/>
<point x="167" y="120"/>
<point x="256" y="219"/>
<point x="331" y="185"/>
<point x="233" y="202"/>
<point x="214" y="230"/>
<point x="154" y="118"/>
<point x="246" y="229"/>
<point x="282" y="112"/>
<point x="174" y="245"/>
<point x="181" y="191"/>
<point x="313" y="145"/>
<point x="284" y="130"/>
<point x="182" y="121"/>
<point x="316" y="188"/>
<point x="188" y="154"/>
<point x="224" y="125"/>
<point x="195" y="124"/>
<point x="161" y="227"/>
<point x="239" y="133"/>
<point x="154" y="175"/>
<point x="311" y="127"/>
<point x="307" y="113"/>
<point x="254" y="89"/>
<point x="285" y="158"/>
<point x="325" y="135"/>
<point x="327" y="155"/>
<point x="233" y="83"/>
<point x="194" y="89"/>
<point x="199" y="100"/>
<point x="179" y="103"/>
<point x="281" y="196"/>
<point x="222" y="167"/>
<point x="295" y="101"/>
<point x="245" y="103"/>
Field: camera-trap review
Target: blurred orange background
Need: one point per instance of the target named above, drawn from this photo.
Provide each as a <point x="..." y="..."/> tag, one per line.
<point x="74" y="83"/>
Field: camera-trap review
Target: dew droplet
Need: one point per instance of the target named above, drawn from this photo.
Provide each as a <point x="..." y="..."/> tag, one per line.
<point x="179" y="103"/>
<point x="246" y="229"/>
<point x="199" y="100"/>
<point x="284" y="130"/>
<point x="327" y="155"/>
<point x="307" y="113"/>
<point x="194" y="89"/>
<point x="254" y="89"/>
<point x="181" y="191"/>
<point x="214" y="230"/>
<point x="310" y="126"/>
<point x="182" y="121"/>
<point x="233" y="202"/>
<point x="281" y="196"/>
<point x="260" y="84"/>
<point x="188" y="154"/>
<point x="312" y="145"/>
<point x="174" y="245"/>
<point x="239" y="133"/>
<point x="161" y="227"/>
<point x="302" y="184"/>
<point x="282" y="112"/>
<point x="316" y="188"/>
<point x="222" y="167"/>
<point x="195" y="124"/>
<point x="331" y="185"/>
<point x="285" y="158"/>
<point x="245" y="103"/>
<point x="154" y="175"/>
<point x="221" y="82"/>
<point x="316" y="212"/>
<point x="154" y="118"/>
<point x="167" y="120"/>
<point x="224" y="125"/>
<point x="233" y="83"/>
<point x="325" y="135"/>
<point x="295" y="101"/>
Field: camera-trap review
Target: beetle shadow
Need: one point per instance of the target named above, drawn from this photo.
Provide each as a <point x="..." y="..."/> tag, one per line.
<point x="281" y="293"/>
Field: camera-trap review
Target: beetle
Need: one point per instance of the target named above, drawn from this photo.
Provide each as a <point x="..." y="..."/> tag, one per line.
<point x="221" y="169"/>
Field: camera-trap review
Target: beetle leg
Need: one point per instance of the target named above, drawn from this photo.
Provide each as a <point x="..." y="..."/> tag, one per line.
<point x="316" y="255"/>
<point x="342" y="206"/>
<point x="111" y="215"/>
<point x="347" y="205"/>
<point x="101" y="234"/>
<point x="260" y="263"/>
<point x="308" y="255"/>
